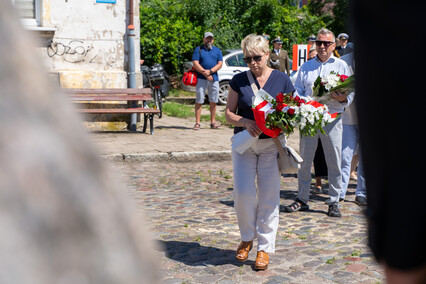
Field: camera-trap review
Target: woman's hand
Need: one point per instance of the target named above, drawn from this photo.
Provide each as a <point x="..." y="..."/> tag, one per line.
<point x="251" y="127"/>
<point x="338" y="96"/>
<point x="237" y="120"/>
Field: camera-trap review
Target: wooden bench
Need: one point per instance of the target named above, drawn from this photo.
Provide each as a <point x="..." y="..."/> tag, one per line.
<point x="130" y="95"/>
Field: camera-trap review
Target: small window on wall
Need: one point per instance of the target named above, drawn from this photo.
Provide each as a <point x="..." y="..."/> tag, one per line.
<point x="28" y="11"/>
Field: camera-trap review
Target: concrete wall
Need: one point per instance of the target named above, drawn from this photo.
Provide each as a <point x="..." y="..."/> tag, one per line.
<point x="84" y="43"/>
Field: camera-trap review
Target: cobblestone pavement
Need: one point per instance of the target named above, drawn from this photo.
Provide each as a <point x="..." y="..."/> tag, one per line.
<point x="190" y="212"/>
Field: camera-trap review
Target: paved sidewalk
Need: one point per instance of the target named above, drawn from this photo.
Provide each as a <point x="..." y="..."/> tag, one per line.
<point x="173" y="139"/>
<point x="189" y="209"/>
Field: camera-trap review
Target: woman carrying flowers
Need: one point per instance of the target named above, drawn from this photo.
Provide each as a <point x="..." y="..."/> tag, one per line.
<point x="256" y="205"/>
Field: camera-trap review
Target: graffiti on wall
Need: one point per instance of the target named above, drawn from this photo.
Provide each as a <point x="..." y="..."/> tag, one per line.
<point x="77" y="51"/>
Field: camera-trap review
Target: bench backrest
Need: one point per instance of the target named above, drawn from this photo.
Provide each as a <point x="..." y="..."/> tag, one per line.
<point x="114" y="91"/>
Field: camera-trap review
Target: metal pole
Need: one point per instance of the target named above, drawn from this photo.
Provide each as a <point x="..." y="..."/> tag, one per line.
<point x="131" y="81"/>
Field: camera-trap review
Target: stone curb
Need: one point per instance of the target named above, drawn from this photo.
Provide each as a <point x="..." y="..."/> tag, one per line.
<point x="183" y="157"/>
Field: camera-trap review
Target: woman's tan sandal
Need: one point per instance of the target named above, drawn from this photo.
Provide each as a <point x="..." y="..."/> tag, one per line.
<point x="262" y="260"/>
<point x="243" y="251"/>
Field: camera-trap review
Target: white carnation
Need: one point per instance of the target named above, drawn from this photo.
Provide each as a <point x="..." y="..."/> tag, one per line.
<point x="317" y="115"/>
<point x="311" y="119"/>
<point x="327" y="118"/>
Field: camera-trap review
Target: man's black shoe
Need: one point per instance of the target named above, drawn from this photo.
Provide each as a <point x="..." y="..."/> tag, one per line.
<point x="328" y="200"/>
<point x="333" y="210"/>
<point x="361" y="200"/>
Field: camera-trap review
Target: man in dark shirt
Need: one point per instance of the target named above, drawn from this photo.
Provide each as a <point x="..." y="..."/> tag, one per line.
<point x="345" y="46"/>
<point x="278" y="57"/>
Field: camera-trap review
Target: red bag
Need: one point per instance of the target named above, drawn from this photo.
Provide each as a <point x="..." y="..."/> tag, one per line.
<point x="190" y="77"/>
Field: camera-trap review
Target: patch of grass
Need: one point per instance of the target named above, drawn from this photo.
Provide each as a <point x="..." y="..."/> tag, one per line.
<point x="356" y="240"/>
<point x="222" y="120"/>
<point x="356" y="253"/>
<point x="179" y="93"/>
<point x="331" y="260"/>
<point x="178" y="110"/>
<point x="224" y="174"/>
<point x="186" y="111"/>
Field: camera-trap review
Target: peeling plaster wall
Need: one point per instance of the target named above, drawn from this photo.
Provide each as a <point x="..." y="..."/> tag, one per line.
<point x="89" y="46"/>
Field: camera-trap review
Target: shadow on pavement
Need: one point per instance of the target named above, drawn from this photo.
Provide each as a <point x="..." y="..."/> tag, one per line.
<point x="229" y="203"/>
<point x="118" y="132"/>
<point x="173" y="127"/>
<point x="194" y="254"/>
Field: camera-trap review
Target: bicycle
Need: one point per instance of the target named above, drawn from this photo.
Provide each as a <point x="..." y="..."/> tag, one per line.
<point x="156" y="77"/>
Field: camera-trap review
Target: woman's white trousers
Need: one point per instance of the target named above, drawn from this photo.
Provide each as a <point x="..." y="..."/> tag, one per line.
<point x="257" y="193"/>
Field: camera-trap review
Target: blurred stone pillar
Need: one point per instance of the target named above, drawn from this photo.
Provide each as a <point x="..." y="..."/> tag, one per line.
<point x="63" y="217"/>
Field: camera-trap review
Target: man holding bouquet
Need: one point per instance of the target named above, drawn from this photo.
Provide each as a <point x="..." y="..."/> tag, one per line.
<point x="322" y="65"/>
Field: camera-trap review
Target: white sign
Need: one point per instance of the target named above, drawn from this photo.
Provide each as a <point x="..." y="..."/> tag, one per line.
<point x="300" y="55"/>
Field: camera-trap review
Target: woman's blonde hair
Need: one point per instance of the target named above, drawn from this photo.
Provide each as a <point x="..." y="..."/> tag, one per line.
<point x="254" y="42"/>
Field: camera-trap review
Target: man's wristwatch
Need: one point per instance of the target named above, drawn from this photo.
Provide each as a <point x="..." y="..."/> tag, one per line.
<point x="211" y="72"/>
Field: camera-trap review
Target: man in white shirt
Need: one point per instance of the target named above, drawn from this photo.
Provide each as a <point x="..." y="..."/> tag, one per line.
<point x="322" y="65"/>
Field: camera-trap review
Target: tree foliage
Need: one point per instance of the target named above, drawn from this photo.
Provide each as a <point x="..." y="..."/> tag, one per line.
<point x="334" y="13"/>
<point x="341" y="14"/>
<point x="171" y="29"/>
<point x="167" y="33"/>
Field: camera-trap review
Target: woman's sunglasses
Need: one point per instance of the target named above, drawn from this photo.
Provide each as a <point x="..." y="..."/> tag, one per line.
<point x="255" y="58"/>
<point x="326" y="43"/>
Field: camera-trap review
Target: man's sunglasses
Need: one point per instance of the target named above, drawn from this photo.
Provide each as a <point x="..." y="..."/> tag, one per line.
<point x="326" y="43"/>
<point x="255" y="58"/>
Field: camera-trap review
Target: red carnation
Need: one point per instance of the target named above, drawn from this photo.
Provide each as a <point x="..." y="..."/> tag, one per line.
<point x="290" y="111"/>
<point x="343" y="78"/>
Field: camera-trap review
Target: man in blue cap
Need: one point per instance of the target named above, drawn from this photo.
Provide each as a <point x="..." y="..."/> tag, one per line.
<point x="207" y="60"/>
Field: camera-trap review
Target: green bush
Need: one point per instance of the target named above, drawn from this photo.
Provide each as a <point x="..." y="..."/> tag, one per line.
<point x="171" y="29"/>
<point x="167" y="35"/>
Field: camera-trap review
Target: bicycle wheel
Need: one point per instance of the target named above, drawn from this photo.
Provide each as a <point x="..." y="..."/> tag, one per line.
<point x="158" y="101"/>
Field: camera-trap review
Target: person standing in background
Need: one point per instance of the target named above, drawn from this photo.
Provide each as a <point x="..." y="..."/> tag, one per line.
<point x="320" y="166"/>
<point x="311" y="41"/>
<point x="350" y="139"/>
<point x="322" y="65"/>
<point x="207" y="60"/>
<point x="278" y="57"/>
<point x="345" y="47"/>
